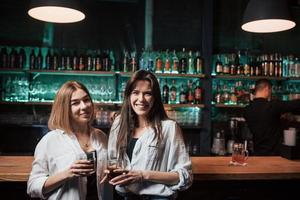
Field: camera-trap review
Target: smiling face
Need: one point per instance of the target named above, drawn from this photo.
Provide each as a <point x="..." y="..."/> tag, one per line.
<point x="81" y="107"/>
<point x="141" y="99"/>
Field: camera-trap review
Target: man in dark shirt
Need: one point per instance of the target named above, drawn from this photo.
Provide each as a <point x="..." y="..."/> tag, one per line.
<point x="263" y="118"/>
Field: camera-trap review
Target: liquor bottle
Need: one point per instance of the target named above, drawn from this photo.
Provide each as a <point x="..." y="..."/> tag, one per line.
<point x="182" y="95"/>
<point x="81" y="62"/>
<point x="32" y="60"/>
<point x="105" y="61"/>
<point x="165" y="96"/>
<point x="75" y="61"/>
<point x="190" y="63"/>
<point x="55" y="61"/>
<point x="112" y="60"/>
<point x="167" y="68"/>
<point x="175" y="63"/>
<point x="125" y="62"/>
<point x="21" y="59"/>
<point x="182" y="63"/>
<point x="68" y="61"/>
<point x="280" y="68"/>
<point x="158" y="63"/>
<point x="98" y="61"/>
<point x="198" y="93"/>
<point x="4" y="58"/>
<point x="13" y="58"/>
<point x="89" y="61"/>
<point x="271" y="65"/>
<point x="39" y="60"/>
<point x="133" y="62"/>
<point x="226" y="66"/>
<point x="173" y="93"/>
<point x="190" y="92"/>
<point x="62" y="63"/>
<point x="198" y="63"/>
<point x="218" y="66"/>
<point x="48" y="59"/>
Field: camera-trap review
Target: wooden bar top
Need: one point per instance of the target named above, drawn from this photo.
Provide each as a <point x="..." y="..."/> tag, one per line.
<point x="17" y="168"/>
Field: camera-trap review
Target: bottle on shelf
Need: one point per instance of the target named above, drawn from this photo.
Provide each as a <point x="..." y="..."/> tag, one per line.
<point x="68" y="61"/>
<point x="182" y="62"/>
<point x="13" y="58"/>
<point x="173" y="93"/>
<point x="105" y="61"/>
<point x="112" y="60"/>
<point x="21" y="59"/>
<point x="190" y="63"/>
<point x="55" y="62"/>
<point x="98" y="64"/>
<point x="165" y="95"/>
<point x="125" y="63"/>
<point x="175" y="63"/>
<point x="218" y="66"/>
<point x="4" y="58"/>
<point x="75" y="61"/>
<point x="48" y="61"/>
<point x="167" y="68"/>
<point x="158" y="63"/>
<point x="133" y="62"/>
<point x="62" y="60"/>
<point x="89" y="61"/>
<point x="198" y="93"/>
<point x="198" y="63"/>
<point x="81" y="63"/>
<point x="182" y="95"/>
<point x="32" y="59"/>
<point x="39" y="60"/>
<point x="190" y="92"/>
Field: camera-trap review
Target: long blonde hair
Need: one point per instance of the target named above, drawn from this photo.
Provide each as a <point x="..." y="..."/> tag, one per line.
<point x="60" y="117"/>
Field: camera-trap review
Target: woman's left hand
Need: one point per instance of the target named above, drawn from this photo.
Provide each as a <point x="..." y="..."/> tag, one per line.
<point x="128" y="178"/>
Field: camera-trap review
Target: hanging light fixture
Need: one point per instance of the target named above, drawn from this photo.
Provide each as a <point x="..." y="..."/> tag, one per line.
<point x="267" y="16"/>
<point x="56" y="11"/>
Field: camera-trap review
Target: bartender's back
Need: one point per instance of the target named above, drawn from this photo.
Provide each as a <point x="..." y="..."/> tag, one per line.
<point x="263" y="118"/>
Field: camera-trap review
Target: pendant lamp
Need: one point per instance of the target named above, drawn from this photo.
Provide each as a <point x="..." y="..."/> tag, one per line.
<point x="56" y="11"/>
<point x="267" y="16"/>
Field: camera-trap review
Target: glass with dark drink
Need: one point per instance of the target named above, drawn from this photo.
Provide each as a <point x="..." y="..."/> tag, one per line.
<point x="116" y="167"/>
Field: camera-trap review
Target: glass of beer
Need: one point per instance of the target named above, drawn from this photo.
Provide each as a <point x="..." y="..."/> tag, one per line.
<point x="239" y="153"/>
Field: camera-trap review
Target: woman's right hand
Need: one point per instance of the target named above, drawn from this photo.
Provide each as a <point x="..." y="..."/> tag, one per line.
<point x="81" y="168"/>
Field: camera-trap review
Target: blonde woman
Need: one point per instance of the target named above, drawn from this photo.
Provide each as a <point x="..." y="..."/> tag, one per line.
<point x="69" y="160"/>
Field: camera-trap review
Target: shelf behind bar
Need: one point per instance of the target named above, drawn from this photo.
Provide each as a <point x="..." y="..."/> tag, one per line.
<point x="70" y="72"/>
<point x="236" y="77"/>
<point x="99" y="104"/>
<point x="170" y="75"/>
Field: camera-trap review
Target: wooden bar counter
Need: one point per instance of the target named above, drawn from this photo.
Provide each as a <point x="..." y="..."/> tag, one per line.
<point x="17" y="169"/>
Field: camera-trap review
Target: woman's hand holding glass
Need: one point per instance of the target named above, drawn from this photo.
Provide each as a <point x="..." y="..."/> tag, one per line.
<point x="132" y="176"/>
<point x="81" y="167"/>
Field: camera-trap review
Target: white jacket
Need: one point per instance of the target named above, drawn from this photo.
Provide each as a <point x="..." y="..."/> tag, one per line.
<point x="56" y="152"/>
<point x="170" y="156"/>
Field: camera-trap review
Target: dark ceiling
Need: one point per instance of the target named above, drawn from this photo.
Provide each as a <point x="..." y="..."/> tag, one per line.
<point x="120" y="24"/>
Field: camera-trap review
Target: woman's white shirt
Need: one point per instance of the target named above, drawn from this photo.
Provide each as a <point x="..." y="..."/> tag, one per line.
<point x="56" y="152"/>
<point x="170" y="156"/>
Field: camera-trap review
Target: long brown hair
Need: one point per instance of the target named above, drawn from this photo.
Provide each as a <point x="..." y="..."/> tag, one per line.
<point x="128" y="118"/>
<point x="60" y="117"/>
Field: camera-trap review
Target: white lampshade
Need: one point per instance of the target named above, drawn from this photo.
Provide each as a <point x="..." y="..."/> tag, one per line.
<point x="56" y="11"/>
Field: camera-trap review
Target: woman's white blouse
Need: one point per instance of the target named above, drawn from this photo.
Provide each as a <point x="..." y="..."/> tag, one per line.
<point x="170" y="156"/>
<point x="56" y="152"/>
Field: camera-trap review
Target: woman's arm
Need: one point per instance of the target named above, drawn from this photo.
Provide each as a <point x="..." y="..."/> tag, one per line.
<point x="168" y="178"/>
<point x="79" y="168"/>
